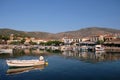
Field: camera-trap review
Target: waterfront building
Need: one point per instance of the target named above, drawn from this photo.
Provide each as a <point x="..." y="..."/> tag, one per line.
<point x="67" y="40"/>
<point x="109" y="38"/>
<point x="11" y="36"/>
<point x="96" y="38"/>
<point x="85" y="39"/>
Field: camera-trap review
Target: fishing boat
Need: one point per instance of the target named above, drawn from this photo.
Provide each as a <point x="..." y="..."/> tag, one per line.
<point x="26" y="63"/>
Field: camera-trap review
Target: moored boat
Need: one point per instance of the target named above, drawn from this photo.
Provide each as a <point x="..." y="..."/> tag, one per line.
<point x="99" y="48"/>
<point x="26" y="63"/>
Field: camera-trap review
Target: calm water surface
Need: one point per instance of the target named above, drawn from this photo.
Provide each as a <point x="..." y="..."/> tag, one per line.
<point x="66" y="66"/>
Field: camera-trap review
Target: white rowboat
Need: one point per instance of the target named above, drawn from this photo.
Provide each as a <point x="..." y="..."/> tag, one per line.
<point x="25" y="63"/>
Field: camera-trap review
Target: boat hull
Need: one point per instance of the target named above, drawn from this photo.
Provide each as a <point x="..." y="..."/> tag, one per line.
<point x="99" y="48"/>
<point x="24" y="63"/>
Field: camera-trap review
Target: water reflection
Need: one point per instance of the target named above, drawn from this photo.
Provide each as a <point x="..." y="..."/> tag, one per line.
<point x="22" y="54"/>
<point x="75" y="62"/>
<point x="29" y="52"/>
<point x="98" y="56"/>
<point x="92" y="57"/>
<point x="24" y="69"/>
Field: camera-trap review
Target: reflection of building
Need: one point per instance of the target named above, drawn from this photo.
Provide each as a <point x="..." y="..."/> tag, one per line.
<point x="34" y="51"/>
<point x="98" y="56"/>
<point x="27" y="51"/>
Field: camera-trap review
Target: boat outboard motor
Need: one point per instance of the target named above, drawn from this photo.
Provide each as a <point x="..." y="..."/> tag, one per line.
<point x="41" y="58"/>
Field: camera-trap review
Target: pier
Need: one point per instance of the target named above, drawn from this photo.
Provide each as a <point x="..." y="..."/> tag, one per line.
<point x="112" y="49"/>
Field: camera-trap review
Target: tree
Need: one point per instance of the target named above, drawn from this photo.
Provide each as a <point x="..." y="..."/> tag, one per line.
<point x="55" y="43"/>
<point x="0" y="36"/>
<point x="5" y="38"/>
<point x="42" y="43"/>
<point x="15" y="42"/>
<point x="23" y="40"/>
<point x="32" y="43"/>
<point x="100" y="42"/>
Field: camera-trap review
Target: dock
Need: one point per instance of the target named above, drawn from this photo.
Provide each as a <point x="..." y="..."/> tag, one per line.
<point x="112" y="49"/>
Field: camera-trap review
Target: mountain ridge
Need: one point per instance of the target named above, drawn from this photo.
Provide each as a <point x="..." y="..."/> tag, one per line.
<point x="84" y="32"/>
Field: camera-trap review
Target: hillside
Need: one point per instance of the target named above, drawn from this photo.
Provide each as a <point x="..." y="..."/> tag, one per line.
<point x="7" y="32"/>
<point x="88" y="32"/>
<point x="44" y="35"/>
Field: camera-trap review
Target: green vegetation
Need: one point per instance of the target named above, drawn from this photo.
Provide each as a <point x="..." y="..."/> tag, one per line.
<point x="100" y="42"/>
<point x="4" y="38"/>
<point x="51" y="43"/>
<point x="54" y="43"/>
<point x="16" y="42"/>
<point x="42" y="43"/>
<point x="23" y="40"/>
<point x="53" y="51"/>
<point x="32" y="43"/>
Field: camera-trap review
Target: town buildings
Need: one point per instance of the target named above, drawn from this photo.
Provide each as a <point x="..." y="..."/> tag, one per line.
<point x="66" y="40"/>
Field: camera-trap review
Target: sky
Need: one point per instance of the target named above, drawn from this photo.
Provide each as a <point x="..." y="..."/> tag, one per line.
<point x="56" y="16"/>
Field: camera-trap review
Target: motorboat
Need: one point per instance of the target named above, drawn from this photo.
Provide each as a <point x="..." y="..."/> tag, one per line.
<point x="99" y="48"/>
<point x="26" y="63"/>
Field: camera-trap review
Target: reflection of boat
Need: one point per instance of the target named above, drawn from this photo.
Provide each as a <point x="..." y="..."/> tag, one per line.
<point x="84" y="48"/>
<point x="99" y="52"/>
<point x="100" y="55"/>
<point x="6" y="50"/>
<point x="25" y="63"/>
<point x="99" y="48"/>
<point x="24" y="69"/>
<point x="65" y="48"/>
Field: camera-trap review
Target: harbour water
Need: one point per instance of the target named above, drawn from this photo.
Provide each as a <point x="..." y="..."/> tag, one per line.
<point x="66" y="66"/>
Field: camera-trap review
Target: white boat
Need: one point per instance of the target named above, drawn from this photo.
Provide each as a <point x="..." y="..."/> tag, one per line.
<point x="99" y="48"/>
<point x="26" y="63"/>
<point x="6" y="50"/>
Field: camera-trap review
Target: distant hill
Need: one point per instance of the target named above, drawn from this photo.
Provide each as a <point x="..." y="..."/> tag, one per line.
<point x="78" y="33"/>
<point x="42" y="35"/>
<point x="86" y="32"/>
<point x="7" y="32"/>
